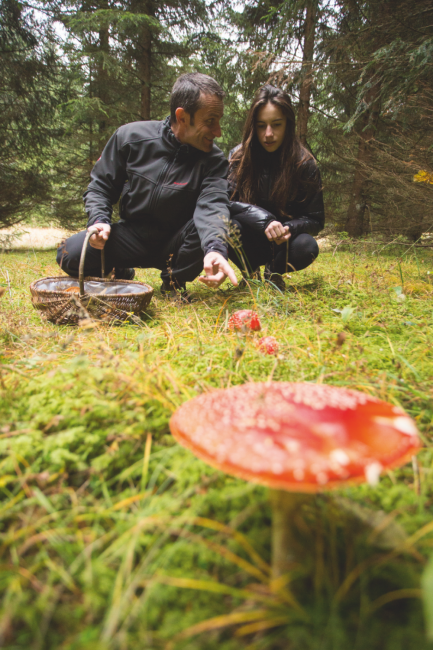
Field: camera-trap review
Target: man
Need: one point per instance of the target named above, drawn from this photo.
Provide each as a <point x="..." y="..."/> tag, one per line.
<point x="171" y="181"/>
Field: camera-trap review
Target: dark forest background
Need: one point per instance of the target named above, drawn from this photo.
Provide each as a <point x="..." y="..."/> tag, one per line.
<point x="360" y="74"/>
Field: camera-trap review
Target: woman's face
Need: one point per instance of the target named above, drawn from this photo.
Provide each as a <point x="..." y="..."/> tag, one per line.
<point x="270" y="126"/>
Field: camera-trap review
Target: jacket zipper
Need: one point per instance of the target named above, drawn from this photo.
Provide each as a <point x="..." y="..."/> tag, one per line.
<point x="159" y="183"/>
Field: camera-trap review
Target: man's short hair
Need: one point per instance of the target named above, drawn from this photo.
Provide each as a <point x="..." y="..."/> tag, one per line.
<point x="187" y="91"/>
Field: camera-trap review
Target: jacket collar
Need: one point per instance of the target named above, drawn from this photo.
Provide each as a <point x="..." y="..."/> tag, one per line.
<point x="168" y="135"/>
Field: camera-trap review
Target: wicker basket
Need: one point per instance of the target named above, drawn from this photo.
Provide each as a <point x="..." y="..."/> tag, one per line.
<point x="66" y="301"/>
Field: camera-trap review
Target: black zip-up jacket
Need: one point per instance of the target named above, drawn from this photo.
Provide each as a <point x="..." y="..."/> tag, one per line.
<point x="163" y="183"/>
<point x="307" y="213"/>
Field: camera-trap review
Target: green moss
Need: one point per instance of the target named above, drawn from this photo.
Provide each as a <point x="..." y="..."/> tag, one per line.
<point x="87" y="539"/>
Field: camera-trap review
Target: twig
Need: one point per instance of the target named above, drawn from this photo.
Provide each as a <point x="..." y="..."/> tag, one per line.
<point x="338" y="244"/>
<point x="9" y="284"/>
<point x="416" y="476"/>
<point x="7" y="278"/>
<point x="12" y="369"/>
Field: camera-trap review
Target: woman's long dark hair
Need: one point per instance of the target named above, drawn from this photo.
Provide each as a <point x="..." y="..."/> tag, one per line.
<point x="247" y="162"/>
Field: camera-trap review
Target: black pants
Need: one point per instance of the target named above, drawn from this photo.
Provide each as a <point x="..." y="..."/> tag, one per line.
<point x="179" y="257"/>
<point x="257" y="251"/>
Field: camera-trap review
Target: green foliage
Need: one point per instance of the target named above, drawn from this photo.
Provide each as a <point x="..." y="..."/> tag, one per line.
<point x="62" y="98"/>
<point x="114" y="537"/>
<point x="382" y="53"/>
<point x="29" y="93"/>
<point x="82" y="23"/>
<point x="427" y="595"/>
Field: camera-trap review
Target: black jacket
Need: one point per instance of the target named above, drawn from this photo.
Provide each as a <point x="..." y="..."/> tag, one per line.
<point x="163" y="183"/>
<point x="306" y="211"/>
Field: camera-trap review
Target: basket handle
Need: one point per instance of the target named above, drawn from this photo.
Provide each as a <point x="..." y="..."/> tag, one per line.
<point x="91" y="231"/>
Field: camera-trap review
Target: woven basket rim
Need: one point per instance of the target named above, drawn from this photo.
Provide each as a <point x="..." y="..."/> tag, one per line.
<point x="89" y="279"/>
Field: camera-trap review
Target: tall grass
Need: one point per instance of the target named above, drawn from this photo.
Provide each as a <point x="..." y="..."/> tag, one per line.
<point x="114" y="538"/>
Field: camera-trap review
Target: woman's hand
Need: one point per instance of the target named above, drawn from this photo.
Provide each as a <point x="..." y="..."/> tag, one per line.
<point x="277" y="233"/>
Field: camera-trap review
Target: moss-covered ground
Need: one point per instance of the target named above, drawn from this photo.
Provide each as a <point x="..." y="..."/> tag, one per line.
<point x="113" y="537"/>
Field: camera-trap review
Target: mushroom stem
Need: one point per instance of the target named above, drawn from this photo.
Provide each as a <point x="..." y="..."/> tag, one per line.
<point x="285" y="507"/>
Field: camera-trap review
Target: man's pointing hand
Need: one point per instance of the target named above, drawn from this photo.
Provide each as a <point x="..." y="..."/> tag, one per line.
<point x="98" y="240"/>
<point x="217" y="269"/>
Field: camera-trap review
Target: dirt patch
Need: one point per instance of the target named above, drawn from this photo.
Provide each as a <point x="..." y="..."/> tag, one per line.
<point x="25" y="238"/>
<point x="21" y="237"/>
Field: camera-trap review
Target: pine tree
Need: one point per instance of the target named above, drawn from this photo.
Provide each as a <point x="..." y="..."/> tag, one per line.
<point x="29" y="92"/>
<point x="286" y="38"/>
<point x="123" y="60"/>
<point x="385" y="45"/>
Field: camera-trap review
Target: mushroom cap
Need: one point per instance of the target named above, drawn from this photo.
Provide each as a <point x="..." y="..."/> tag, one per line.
<point x="245" y="319"/>
<point x="268" y="345"/>
<point x="296" y="437"/>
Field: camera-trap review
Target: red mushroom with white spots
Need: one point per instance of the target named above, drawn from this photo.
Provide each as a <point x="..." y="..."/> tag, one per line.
<point x="295" y="438"/>
<point x="245" y="320"/>
<point x="268" y="345"/>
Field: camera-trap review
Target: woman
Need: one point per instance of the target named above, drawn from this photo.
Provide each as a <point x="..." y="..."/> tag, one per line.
<point x="275" y="190"/>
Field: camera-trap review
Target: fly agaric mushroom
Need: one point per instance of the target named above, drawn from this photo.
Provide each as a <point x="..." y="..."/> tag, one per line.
<point x="245" y="319"/>
<point x="268" y="345"/>
<point x="295" y="438"/>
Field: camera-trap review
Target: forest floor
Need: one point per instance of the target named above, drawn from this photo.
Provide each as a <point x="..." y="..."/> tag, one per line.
<point x="27" y="237"/>
<point x="113" y="537"/>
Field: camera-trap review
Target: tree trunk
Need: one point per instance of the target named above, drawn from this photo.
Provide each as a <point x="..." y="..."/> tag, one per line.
<point x="144" y="60"/>
<point x="359" y="191"/>
<point x="359" y="197"/>
<point x="92" y="159"/>
<point x="415" y="230"/>
<point x="307" y="70"/>
<point x="102" y="85"/>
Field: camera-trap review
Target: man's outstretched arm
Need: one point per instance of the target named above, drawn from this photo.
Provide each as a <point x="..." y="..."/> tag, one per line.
<point x="211" y="217"/>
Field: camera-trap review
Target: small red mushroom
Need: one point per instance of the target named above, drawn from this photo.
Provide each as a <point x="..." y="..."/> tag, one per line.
<point x="245" y="319"/>
<point x="295" y="438"/>
<point x="268" y="345"/>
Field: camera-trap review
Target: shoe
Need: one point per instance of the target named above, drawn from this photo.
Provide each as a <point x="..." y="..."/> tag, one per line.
<point x="172" y="292"/>
<point x="275" y="279"/>
<point x="255" y="275"/>
<point x="124" y="274"/>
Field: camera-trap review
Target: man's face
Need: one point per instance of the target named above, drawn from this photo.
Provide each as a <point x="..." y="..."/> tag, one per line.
<point x="206" y="123"/>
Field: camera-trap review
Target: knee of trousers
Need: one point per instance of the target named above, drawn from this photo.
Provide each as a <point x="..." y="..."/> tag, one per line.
<point x="307" y="246"/>
<point x="63" y="259"/>
<point x="69" y="253"/>
<point x="303" y="251"/>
